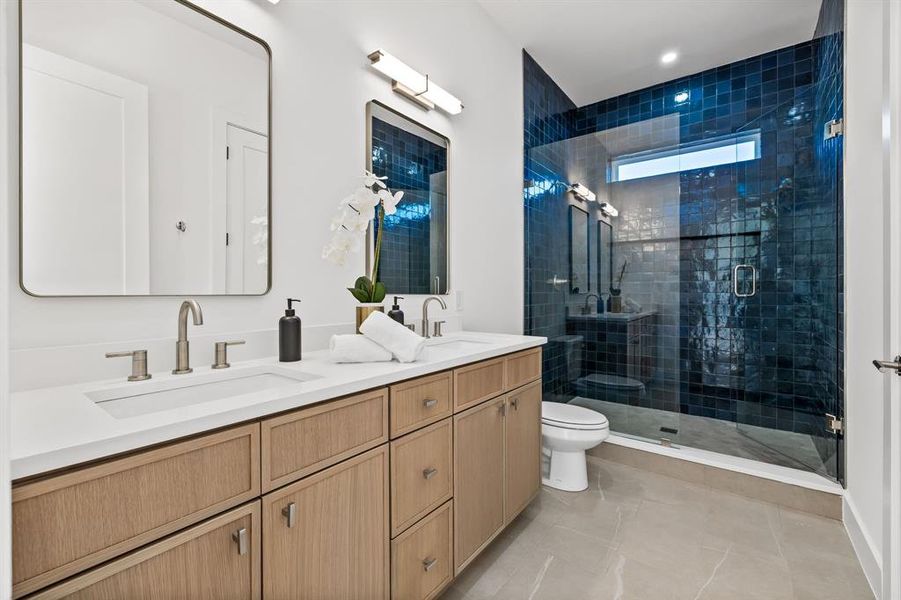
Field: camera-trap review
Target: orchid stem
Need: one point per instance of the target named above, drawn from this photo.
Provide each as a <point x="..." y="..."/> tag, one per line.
<point x="378" y="243"/>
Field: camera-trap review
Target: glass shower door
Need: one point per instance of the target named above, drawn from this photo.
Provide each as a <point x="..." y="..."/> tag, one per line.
<point x="792" y="376"/>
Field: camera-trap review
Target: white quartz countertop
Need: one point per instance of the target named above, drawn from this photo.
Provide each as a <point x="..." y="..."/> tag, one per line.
<point x="57" y="427"/>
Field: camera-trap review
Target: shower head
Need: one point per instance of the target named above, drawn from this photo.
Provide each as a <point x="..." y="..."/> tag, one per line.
<point x="608" y="209"/>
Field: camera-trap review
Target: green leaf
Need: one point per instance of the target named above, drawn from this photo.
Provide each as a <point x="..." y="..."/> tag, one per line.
<point x="378" y="293"/>
<point x="363" y="283"/>
<point x="360" y="295"/>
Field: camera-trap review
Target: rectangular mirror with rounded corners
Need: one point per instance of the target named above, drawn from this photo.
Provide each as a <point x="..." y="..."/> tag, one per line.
<point x="579" y="282"/>
<point x="145" y="162"/>
<point x="415" y="159"/>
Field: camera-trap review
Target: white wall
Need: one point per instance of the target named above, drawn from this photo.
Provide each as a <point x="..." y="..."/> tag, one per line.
<point x="321" y="83"/>
<point x="865" y="278"/>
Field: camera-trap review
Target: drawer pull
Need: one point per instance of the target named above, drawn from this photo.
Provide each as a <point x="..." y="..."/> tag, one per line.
<point x="514" y="402"/>
<point x="429" y="403"/>
<point x="429" y="564"/>
<point x="290" y="513"/>
<point x="429" y="473"/>
<point x="240" y="538"/>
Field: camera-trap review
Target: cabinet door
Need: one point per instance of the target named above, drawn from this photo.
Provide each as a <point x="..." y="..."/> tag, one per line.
<point x="216" y="560"/>
<point x="523" y="469"/>
<point x="478" y="478"/>
<point x="327" y="536"/>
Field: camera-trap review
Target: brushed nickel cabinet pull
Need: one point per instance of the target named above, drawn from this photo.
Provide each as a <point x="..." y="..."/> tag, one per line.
<point x="502" y="409"/>
<point x="429" y="402"/>
<point x="429" y="473"/>
<point x="428" y="564"/>
<point x="290" y="513"/>
<point x="240" y="538"/>
<point x="514" y="402"/>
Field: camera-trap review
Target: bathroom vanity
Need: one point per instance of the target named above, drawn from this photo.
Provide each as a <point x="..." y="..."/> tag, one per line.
<point x="353" y="481"/>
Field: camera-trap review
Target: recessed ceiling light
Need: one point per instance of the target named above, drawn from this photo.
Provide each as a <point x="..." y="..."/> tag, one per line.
<point x="669" y="58"/>
<point x="274" y="1"/>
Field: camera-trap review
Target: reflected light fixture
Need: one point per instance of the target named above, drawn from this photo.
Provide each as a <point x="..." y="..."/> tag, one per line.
<point x="414" y="85"/>
<point x="273" y="1"/>
<point x="582" y="192"/>
<point x="608" y="209"/>
<point x="669" y="57"/>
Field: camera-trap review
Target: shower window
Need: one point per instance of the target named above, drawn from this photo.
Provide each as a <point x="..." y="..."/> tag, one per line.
<point x="729" y="150"/>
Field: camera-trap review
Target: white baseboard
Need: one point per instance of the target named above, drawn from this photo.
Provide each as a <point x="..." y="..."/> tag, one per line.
<point x="869" y="556"/>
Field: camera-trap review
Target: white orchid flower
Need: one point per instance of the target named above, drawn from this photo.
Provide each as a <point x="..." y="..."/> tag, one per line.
<point x="389" y="202"/>
<point x="371" y="179"/>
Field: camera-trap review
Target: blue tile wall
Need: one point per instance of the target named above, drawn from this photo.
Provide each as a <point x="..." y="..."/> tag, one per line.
<point x="409" y="161"/>
<point x="772" y="360"/>
<point x="548" y="118"/>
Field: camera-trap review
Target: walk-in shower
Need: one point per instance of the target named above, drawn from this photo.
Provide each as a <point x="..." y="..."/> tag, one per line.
<point x="694" y="297"/>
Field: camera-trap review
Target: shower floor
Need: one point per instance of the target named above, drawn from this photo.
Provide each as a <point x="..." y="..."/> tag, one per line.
<point x="773" y="446"/>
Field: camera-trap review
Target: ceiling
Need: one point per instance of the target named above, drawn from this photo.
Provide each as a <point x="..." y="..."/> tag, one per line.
<point x="597" y="49"/>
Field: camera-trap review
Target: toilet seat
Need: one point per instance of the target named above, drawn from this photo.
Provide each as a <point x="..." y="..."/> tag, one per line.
<point x="570" y="416"/>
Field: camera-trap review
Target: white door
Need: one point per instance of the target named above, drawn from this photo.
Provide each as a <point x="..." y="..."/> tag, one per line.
<point x="89" y="129"/>
<point x="247" y="209"/>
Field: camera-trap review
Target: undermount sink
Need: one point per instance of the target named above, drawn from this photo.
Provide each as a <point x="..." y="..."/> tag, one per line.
<point x="150" y="397"/>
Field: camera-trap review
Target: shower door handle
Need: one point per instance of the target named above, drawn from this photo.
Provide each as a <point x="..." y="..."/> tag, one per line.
<point x="738" y="269"/>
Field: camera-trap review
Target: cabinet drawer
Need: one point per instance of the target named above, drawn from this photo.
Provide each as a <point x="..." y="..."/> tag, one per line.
<point x="65" y="524"/>
<point x="420" y="402"/>
<point x="523" y="367"/>
<point x="421" y="557"/>
<point x="310" y="439"/>
<point x="203" y="562"/>
<point x="478" y="382"/>
<point x="422" y="473"/>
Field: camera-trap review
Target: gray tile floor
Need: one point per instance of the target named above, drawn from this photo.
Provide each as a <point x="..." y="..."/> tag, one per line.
<point x="773" y="446"/>
<point x="636" y="535"/>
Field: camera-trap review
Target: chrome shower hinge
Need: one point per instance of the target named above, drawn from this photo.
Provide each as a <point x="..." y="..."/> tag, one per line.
<point x="834" y="424"/>
<point x="833" y="128"/>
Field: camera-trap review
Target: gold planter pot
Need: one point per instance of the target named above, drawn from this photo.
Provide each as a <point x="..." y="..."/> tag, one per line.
<point x="364" y="310"/>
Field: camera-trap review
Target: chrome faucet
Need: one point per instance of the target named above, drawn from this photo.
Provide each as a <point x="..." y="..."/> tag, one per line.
<point x="425" y="314"/>
<point x="182" y="355"/>
<point x="586" y="310"/>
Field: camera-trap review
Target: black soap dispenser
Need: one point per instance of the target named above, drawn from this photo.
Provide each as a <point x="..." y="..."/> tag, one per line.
<point x="396" y="313"/>
<point x="289" y="335"/>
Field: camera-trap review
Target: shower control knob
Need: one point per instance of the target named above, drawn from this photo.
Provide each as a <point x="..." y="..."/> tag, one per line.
<point x="883" y="365"/>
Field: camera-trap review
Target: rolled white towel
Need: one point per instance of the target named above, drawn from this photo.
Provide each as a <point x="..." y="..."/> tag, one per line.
<point x="354" y="348"/>
<point x="394" y="337"/>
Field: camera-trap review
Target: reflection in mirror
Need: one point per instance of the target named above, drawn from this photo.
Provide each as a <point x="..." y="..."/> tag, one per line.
<point x="604" y="256"/>
<point x="578" y="251"/>
<point x="413" y="257"/>
<point x="145" y="159"/>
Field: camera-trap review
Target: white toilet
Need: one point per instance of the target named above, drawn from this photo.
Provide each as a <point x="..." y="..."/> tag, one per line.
<point x="567" y="431"/>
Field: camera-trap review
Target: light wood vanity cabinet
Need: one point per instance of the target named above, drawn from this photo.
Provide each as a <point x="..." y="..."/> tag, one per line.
<point x="422" y="473"/>
<point x="479" y="482"/>
<point x="422" y="557"/>
<point x="65" y="524"/>
<point x="314" y="503"/>
<point x="522" y="473"/>
<point x="218" y="559"/>
<point x="420" y="402"/>
<point x="327" y="536"/>
<point x="302" y="442"/>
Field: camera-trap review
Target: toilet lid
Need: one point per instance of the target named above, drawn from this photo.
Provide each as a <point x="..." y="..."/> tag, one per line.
<point x="557" y="413"/>
<point x="613" y="381"/>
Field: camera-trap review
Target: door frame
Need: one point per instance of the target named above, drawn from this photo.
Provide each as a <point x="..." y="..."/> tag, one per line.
<point x="891" y="518"/>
